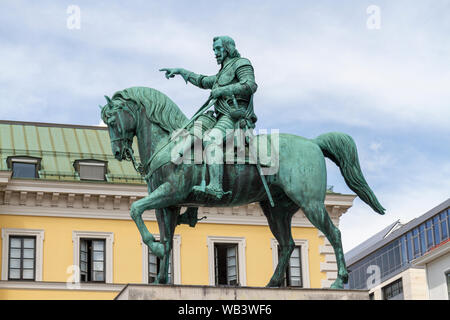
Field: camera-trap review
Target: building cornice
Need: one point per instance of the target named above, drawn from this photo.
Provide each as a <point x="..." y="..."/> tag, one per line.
<point x="432" y="255"/>
<point x="69" y="199"/>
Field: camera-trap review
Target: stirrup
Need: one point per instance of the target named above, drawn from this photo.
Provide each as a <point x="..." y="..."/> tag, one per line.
<point x="218" y="193"/>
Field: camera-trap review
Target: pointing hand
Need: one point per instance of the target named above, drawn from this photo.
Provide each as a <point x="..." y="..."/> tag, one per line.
<point x="170" y="72"/>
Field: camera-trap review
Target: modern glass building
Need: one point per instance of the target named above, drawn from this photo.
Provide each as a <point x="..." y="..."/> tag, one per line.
<point x="390" y="252"/>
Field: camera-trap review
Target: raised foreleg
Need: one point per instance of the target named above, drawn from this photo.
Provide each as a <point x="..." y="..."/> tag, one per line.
<point x="164" y="196"/>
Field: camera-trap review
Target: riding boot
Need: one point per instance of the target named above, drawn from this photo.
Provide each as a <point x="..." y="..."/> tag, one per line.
<point x="214" y="187"/>
<point x="215" y="170"/>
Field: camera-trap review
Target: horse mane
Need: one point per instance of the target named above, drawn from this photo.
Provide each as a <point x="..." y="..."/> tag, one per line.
<point x="158" y="107"/>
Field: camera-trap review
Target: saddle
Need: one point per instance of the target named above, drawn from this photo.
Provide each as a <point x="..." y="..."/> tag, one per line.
<point x="245" y="149"/>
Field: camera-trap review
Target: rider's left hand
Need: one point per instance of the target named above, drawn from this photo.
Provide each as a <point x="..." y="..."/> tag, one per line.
<point x="220" y="92"/>
<point x="216" y="93"/>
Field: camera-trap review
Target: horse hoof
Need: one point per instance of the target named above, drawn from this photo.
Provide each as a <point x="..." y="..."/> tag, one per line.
<point x="337" y="284"/>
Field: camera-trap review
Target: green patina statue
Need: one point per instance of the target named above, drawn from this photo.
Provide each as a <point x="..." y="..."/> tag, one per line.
<point x="298" y="183"/>
<point x="233" y="87"/>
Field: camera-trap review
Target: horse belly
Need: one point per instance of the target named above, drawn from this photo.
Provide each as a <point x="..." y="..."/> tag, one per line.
<point x="242" y="180"/>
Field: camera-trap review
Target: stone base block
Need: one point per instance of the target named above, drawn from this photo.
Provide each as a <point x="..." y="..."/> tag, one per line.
<point x="187" y="292"/>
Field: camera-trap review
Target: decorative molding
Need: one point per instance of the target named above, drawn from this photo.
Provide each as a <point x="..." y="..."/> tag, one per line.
<point x="39" y="197"/>
<point x="55" y="198"/>
<point x="113" y="201"/>
<point x="5" y="177"/>
<point x="44" y="285"/>
<point x="109" y="240"/>
<point x="304" y="254"/>
<point x="101" y="201"/>
<point x="240" y="241"/>
<point x="326" y="249"/>
<point x="130" y="201"/>
<point x="86" y="200"/>
<point x="330" y="265"/>
<point x="23" y="198"/>
<point x="7" y="197"/>
<point x="176" y="262"/>
<point x="70" y="200"/>
<point x="326" y="266"/>
<point x="117" y="202"/>
<point x="39" y="234"/>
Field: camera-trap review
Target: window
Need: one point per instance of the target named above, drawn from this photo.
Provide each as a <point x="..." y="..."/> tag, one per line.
<point x="92" y="260"/>
<point x="154" y="264"/>
<point x="444" y="227"/>
<point x="371" y="296"/>
<point x="429" y="230"/>
<point x="423" y="246"/>
<point x="297" y="272"/>
<point x="91" y="169"/>
<point x="22" y="254"/>
<point x="24" y="166"/>
<point x="22" y="258"/>
<point x="151" y="263"/>
<point x="293" y="276"/>
<point x="226" y="259"/>
<point x="393" y="291"/>
<point x="409" y="246"/>
<point x="226" y="264"/>
<point x="93" y="254"/>
<point x="415" y="233"/>
<point x="437" y="237"/>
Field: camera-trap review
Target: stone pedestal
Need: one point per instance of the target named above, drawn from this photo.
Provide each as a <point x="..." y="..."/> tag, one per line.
<point x="186" y="292"/>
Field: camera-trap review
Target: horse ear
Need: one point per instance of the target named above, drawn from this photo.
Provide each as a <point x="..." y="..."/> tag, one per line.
<point x="108" y="99"/>
<point x="101" y="108"/>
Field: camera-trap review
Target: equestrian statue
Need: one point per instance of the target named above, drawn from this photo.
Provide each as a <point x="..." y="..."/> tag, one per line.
<point x="298" y="183"/>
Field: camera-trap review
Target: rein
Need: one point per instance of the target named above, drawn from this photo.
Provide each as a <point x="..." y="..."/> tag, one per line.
<point x="128" y="150"/>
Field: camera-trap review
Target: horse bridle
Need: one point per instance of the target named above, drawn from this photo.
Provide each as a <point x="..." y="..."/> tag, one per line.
<point x="129" y="153"/>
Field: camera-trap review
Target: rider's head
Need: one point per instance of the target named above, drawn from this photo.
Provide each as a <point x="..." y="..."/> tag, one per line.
<point x="224" y="47"/>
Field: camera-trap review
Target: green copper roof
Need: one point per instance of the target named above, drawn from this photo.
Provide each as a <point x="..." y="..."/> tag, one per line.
<point x="59" y="145"/>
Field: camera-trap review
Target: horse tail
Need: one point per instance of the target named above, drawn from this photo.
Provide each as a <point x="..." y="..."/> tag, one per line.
<point x="341" y="149"/>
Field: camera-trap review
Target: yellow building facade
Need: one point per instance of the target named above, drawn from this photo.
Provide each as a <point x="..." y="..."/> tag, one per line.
<point x="80" y="194"/>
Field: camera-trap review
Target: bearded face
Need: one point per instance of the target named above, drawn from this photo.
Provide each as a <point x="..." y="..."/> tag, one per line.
<point x="219" y="51"/>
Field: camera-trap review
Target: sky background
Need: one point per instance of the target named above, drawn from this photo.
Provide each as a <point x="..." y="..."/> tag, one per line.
<point x="318" y="66"/>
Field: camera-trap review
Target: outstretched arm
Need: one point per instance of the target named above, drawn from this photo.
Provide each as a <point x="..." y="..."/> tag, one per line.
<point x="198" y="80"/>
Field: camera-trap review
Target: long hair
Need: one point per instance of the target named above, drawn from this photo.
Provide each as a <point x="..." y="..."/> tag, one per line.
<point x="229" y="45"/>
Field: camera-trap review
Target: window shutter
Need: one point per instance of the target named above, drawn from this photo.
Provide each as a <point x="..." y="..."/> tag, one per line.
<point x="232" y="273"/>
<point x="92" y="171"/>
<point x="216" y="265"/>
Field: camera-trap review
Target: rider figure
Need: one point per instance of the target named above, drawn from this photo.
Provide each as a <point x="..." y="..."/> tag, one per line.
<point x="233" y="87"/>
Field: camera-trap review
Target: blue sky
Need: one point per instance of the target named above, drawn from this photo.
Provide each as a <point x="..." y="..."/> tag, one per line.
<point x="318" y="67"/>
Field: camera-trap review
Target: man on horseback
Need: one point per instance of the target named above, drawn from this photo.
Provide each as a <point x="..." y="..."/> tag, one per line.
<point x="232" y="87"/>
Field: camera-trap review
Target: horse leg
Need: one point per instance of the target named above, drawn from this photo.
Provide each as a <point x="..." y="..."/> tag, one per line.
<point x="164" y="196"/>
<point x="316" y="213"/>
<point x="279" y="218"/>
<point x="167" y="221"/>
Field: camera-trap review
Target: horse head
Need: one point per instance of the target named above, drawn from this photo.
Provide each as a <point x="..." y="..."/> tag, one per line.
<point x="120" y="118"/>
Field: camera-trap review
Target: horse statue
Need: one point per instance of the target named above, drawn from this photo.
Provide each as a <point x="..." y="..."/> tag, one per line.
<point x="299" y="183"/>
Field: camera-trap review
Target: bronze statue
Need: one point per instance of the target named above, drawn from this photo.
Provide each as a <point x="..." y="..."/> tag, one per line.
<point x="233" y="87"/>
<point x="299" y="183"/>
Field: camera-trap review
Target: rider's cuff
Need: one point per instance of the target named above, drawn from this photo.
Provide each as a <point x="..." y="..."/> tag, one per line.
<point x="185" y="74"/>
